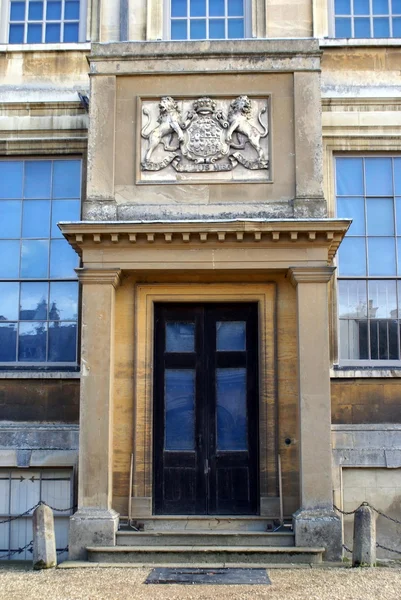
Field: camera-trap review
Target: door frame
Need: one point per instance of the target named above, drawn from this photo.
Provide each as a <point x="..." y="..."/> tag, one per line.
<point x="264" y="294"/>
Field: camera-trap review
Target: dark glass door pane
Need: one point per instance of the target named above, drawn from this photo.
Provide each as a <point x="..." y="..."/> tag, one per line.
<point x="231" y="409"/>
<point x="179" y="405"/>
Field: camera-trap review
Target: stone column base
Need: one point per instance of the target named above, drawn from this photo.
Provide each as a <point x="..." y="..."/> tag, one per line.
<point x="91" y="527"/>
<point x="319" y="528"/>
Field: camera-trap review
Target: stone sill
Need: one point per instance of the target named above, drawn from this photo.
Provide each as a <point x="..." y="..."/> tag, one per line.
<point x="392" y="372"/>
<point x="358" y="42"/>
<point x="367" y="427"/>
<point x="76" y="47"/>
<point x="40" y="374"/>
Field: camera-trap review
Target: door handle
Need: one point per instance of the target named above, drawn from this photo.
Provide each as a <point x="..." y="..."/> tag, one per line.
<point x="206" y="467"/>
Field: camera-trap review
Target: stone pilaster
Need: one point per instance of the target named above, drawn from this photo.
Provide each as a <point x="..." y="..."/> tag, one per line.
<point x="95" y="523"/>
<point x="315" y="524"/>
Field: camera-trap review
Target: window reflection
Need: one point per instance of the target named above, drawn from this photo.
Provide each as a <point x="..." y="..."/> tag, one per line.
<point x="231" y="409"/>
<point x="179" y="395"/>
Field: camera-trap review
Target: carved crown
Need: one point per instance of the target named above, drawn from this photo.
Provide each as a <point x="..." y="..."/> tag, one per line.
<point x="205" y="105"/>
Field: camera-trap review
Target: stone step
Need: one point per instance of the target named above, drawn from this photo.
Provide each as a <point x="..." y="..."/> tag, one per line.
<point x="196" y="523"/>
<point x="205" y="538"/>
<point x="179" y="555"/>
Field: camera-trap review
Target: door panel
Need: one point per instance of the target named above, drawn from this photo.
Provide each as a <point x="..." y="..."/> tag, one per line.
<point x="205" y="409"/>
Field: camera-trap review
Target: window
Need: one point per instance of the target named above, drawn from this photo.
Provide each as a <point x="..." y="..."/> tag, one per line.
<point x="367" y="18"/>
<point x="368" y="190"/>
<point x="38" y="286"/>
<point x="46" y="21"/>
<point x="208" y="19"/>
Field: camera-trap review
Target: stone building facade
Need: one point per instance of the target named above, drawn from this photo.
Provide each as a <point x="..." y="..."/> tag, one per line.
<point x="225" y="340"/>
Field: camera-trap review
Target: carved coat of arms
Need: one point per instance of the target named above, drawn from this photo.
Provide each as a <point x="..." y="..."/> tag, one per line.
<point x="208" y="138"/>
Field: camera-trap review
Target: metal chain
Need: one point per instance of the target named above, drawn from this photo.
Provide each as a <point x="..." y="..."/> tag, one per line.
<point x="27" y="512"/>
<point x="388" y="549"/>
<point x="18" y="551"/>
<point x="379" y="512"/>
<point x="62" y="550"/>
<point x="347" y="549"/>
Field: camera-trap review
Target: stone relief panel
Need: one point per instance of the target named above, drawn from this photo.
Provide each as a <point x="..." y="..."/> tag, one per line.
<point x="205" y="139"/>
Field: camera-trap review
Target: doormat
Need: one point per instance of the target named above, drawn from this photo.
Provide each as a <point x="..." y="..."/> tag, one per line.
<point x="206" y="576"/>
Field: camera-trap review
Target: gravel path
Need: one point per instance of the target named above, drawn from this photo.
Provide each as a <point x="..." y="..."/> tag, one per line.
<point x="123" y="584"/>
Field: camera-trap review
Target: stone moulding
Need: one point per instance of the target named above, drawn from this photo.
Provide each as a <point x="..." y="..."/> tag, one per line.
<point x="326" y="233"/>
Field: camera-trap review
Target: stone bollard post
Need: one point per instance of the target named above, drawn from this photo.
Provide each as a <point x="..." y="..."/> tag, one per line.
<point x="364" y="548"/>
<point x="44" y="541"/>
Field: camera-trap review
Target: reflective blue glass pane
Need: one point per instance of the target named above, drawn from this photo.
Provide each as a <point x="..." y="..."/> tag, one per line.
<point x="33" y="301"/>
<point x="10" y="218"/>
<point x="179" y="397"/>
<point x="36" y="219"/>
<point x="178" y="30"/>
<point x="34" y="258"/>
<point x="379" y="177"/>
<point x="37" y="179"/>
<point x="352" y="300"/>
<point x="63" y="259"/>
<point x="180" y="337"/>
<point x="71" y="32"/>
<point x="217" y="29"/>
<point x="381" y="28"/>
<point x="35" y="11"/>
<point x="17" y="11"/>
<point x="399" y="268"/>
<point x="397" y="176"/>
<point x="398" y="213"/>
<point x="342" y="7"/>
<point x="362" y="27"/>
<point x="380" y="7"/>
<point x="32" y="342"/>
<point x="235" y="28"/>
<point x="352" y="208"/>
<point x="230" y="335"/>
<point x="62" y="342"/>
<point x="231" y="409"/>
<point x="11" y="177"/>
<point x="216" y="8"/>
<point x="63" y="301"/>
<point x="197" y="29"/>
<point x="396" y="4"/>
<point x="397" y="27"/>
<point x="381" y="256"/>
<point x="67" y="179"/>
<point x="235" y="8"/>
<point x="343" y="28"/>
<point x="8" y="342"/>
<point x="16" y="34"/>
<point x="9" y="258"/>
<point x="71" y="10"/>
<point x="382" y="299"/>
<point x="349" y="176"/>
<point x="64" y="210"/>
<point x="197" y="8"/>
<point x="34" y="35"/>
<point x="53" y="10"/>
<point x="178" y="8"/>
<point x="380" y="216"/>
<point x="352" y="257"/>
<point x="9" y="293"/>
<point x="361" y="7"/>
<point x="53" y="33"/>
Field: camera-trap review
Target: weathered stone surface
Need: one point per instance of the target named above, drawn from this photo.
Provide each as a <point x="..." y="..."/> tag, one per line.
<point x="364" y="548"/>
<point x="91" y="527"/>
<point x="319" y="528"/>
<point x="44" y="541"/>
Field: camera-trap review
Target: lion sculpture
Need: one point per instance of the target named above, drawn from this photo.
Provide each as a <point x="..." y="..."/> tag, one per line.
<point x="168" y="122"/>
<point x="238" y="118"/>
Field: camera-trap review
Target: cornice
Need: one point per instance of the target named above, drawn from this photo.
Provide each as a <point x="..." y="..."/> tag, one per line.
<point x="99" y="276"/>
<point x="326" y="233"/>
<point x="310" y="274"/>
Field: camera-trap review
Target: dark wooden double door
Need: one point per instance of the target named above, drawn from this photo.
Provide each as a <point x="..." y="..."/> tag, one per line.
<point x="206" y="409"/>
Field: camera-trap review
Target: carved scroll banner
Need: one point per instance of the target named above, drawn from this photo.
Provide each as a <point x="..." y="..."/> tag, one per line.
<point x="205" y="136"/>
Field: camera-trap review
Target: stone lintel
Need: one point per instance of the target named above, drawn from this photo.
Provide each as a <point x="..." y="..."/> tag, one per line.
<point x="99" y="276"/>
<point x="310" y="274"/>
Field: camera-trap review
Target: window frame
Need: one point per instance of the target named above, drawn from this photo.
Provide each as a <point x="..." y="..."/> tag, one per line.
<point x="5" y="8"/>
<point x="167" y="24"/>
<point x="47" y="366"/>
<point x="332" y="24"/>
<point x="355" y="362"/>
